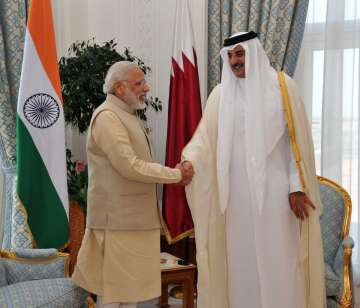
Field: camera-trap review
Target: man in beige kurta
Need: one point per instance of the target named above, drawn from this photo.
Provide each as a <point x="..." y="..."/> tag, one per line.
<point x="253" y="153"/>
<point x="119" y="259"/>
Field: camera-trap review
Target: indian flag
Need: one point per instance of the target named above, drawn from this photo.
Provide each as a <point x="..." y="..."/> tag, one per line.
<point x="41" y="163"/>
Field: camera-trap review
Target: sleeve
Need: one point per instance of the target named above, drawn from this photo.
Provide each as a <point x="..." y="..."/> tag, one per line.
<point x="112" y="137"/>
<point x="205" y="136"/>
<point x="294" y="178"/>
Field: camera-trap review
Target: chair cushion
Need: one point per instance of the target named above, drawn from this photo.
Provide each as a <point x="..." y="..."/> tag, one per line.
<point x="3" y="281"/>
<point x="339" y="262"/>
<point x="35" y="253"/>
<point x="18" y="271"/>
<point x="332" y="281"/>
<point x="332" y="303"/>
<point x="331" y="221"/>
<point x="60" y="292"/>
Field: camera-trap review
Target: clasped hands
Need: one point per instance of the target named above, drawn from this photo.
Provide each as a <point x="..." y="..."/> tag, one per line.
<point x="187" y="172"/>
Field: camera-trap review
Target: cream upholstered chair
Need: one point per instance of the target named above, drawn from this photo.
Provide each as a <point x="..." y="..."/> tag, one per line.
<point x="38" y="278"/>
<point x="335" y="225"/>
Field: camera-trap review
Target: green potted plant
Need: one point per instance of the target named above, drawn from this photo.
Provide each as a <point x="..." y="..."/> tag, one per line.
<point x="82" y="75"/>
<point x="77" y="180"/>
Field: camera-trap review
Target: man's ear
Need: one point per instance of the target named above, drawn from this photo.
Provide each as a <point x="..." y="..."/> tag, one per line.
<point x="119" y="88"/>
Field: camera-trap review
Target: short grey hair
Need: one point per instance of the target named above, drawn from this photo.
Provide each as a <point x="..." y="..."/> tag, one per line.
<point x="117" y="72"/>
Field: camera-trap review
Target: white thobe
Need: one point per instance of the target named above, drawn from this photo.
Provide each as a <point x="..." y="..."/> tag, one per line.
<point x="246" y="258"/>
<point x="262" y="247"/>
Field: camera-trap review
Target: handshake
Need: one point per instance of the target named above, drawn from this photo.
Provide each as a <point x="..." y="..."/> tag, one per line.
<point x="187" y="172"/>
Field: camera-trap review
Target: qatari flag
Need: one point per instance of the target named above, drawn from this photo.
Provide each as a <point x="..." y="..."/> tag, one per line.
<point x="184" y="115"/>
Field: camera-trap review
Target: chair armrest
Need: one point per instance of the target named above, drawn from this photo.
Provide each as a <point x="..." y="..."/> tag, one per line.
<point x="35" y="253"/>
<point x="33" y="264"/>
<point x="342" y="266"/>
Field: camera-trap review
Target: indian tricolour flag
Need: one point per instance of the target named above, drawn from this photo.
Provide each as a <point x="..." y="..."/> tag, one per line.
<point x="41" y="163"/>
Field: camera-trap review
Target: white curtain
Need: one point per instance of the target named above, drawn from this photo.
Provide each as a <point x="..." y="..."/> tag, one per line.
<point x="328" y="77"/>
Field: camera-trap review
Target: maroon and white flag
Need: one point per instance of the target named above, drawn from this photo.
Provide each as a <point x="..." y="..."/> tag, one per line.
<point x="183" y="117"/>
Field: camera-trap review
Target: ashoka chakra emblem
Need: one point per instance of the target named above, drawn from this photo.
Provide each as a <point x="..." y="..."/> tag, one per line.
<point x="41" y="110"/>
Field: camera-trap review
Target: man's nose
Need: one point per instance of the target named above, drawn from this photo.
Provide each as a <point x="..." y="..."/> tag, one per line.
<point x="232" y="61"/>
<point x="146" y="87"/>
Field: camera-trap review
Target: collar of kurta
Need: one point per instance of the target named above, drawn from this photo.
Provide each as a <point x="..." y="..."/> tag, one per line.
<point x="111" y="98"/>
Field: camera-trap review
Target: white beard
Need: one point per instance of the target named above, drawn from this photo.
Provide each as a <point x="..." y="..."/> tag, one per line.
<point x="134" y="101"/>
<point x="140" y="105"/>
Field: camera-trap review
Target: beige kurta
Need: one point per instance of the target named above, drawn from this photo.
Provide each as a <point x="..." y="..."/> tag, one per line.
<point x="120" y="255"/>
<point x="209" y="222"/>
<point x="120" y="266"/>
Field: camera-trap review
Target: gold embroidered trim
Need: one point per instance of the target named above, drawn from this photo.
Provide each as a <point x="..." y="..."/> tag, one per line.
<point x="291" y="127"/>
<point x="172" y="240"/>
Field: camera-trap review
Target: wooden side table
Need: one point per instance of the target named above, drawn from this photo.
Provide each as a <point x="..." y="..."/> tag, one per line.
<point x="184" y="275"/>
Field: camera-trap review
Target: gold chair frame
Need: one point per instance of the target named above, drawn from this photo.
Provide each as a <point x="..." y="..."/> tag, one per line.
<point x="346" y="296"/>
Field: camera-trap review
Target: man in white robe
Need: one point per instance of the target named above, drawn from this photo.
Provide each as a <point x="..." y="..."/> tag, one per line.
<point x="254" y="197"/>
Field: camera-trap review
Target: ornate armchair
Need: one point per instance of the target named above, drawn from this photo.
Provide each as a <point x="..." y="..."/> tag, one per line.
<point x="335" y="224"/>
<point x="37" y="278"/>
